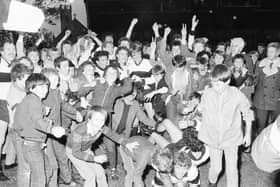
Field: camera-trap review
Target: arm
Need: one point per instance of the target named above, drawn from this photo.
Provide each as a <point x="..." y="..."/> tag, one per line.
<point x="248" y="117"/>
<point x="40" y="39"/>
<point x="77" y="149"/>
<point x="66" y="35"/>
<point x="174" y="131"/>
<point x="20" y="46"/>
<point x="162" y="44"/>
<point x="113" y="135"/>
<point x="141" y="115"/>
<point x="192" y="33"/>
<point x="131" y="27"/>
<point x="166" y="180"/>
<point x="93" y="35"/>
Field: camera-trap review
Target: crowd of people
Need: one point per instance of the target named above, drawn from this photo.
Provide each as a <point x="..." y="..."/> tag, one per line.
<point x="83" y="109"/>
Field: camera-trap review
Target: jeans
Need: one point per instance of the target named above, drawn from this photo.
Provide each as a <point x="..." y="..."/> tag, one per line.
<point x="91" y="172"/>
<point x="62" y="159"/>
<point x="38" y="162"/>
<point x="135" y="167"/>
<point x="216" y="156"/>
<point x="23" y="169"/>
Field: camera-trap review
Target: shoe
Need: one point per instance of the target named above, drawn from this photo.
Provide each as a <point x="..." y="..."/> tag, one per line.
<point x="10" y="166"/>
<point x="114" y="174"/>
<point x="3" y="177"/>
<point x="212" y="184"/>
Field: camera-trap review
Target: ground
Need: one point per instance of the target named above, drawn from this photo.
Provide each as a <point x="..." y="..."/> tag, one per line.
<point x="249" y="176"/>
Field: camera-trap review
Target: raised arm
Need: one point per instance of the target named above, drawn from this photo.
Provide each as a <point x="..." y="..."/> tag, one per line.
<point x="195" y="22"/>
<point x="131" y="27"/>
<point x="20" y="46"/>
<point x="162" y="45"/>
<point x="66" y="35"/>
<point x="93" y="35"/>
<point x="40" y="39"/>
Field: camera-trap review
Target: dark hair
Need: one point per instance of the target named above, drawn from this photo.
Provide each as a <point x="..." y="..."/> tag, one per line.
<point x="158" y="70"/>
<point x="203" y="61"/>
<point x="195" y="95"/>
<point x="18" y="71"/>
<point x="34" y="80"/>
<point x="159" y="107"/>
<point x="32" y="49"/>
<point x="137" y="46"/>
<point x="58" y="60"/>
<point x="99" y="54"/>
<point x="202" y="53"/>
<point x="239" y="56"/>
<point x="190" y="137"/>
<point x="176" y="36"/>
<point x="179" y="61"/>
<point x="221" y="73"/>
<point x="276" y="45"/>
<point x="99" y="109"/>
<point x="175" y="43"/>
<point x="6" y="40"/>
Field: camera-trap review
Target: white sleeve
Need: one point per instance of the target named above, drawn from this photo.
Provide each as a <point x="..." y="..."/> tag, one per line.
<point x="192" y="173"/>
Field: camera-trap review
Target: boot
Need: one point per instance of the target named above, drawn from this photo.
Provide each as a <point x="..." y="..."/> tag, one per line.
<point x="2" y="176"/>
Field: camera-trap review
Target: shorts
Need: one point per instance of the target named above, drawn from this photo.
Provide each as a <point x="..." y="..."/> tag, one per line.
<point x="4" y="112"/>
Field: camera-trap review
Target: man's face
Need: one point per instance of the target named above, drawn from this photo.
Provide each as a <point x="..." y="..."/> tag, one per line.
<point x="272" y="53"/>
<point x="9" y="52"/>
<point x="218" y="59"/>
<point x="122" y="57"/>
<point x="235" y="48"/>
<point x="109" y="48"/>
<point x="180" y="171"/>
<point x="103" y="62"/>
<point x="198" y="47"/>
<point x="41" y="90"/>
<point x="261" y="49"/>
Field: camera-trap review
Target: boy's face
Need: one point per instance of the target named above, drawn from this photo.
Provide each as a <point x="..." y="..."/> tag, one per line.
<point x="9" y="52"/>
<point x="66" y="48"/>
<point x="41" y="90"/>
<point x="64" y="67"/>
<point x="180" y="171"/>
<point x="122" y="57"/>
<point x="89" y="72"/>
<point x="54" y="80"/>
<point x="238" y="63"/>
<point x="21" y="82"/>
<point x="109" y="48"/>
<point x="272" y="53"/>
<point x="103" y="62"/>
<point x="109" y="38"/>
<point x="137" y="55"/>
<point x="96" y="123"/>
<point x="111" y="75"/>
<point x="218" y="59"/>
<point x="34" y="57"/>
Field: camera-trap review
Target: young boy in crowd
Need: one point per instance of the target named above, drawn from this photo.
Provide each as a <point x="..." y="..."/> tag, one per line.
<point x="33" y="126"/>
<point x="19" y="74"/>
<point x="101" y="59"/>
<point x="159" y="86"/>
<point x="183" y="172"/>
<point x="223" y="133"/>
<point x="57" y="105"/>
<point x="79" y="145"/>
